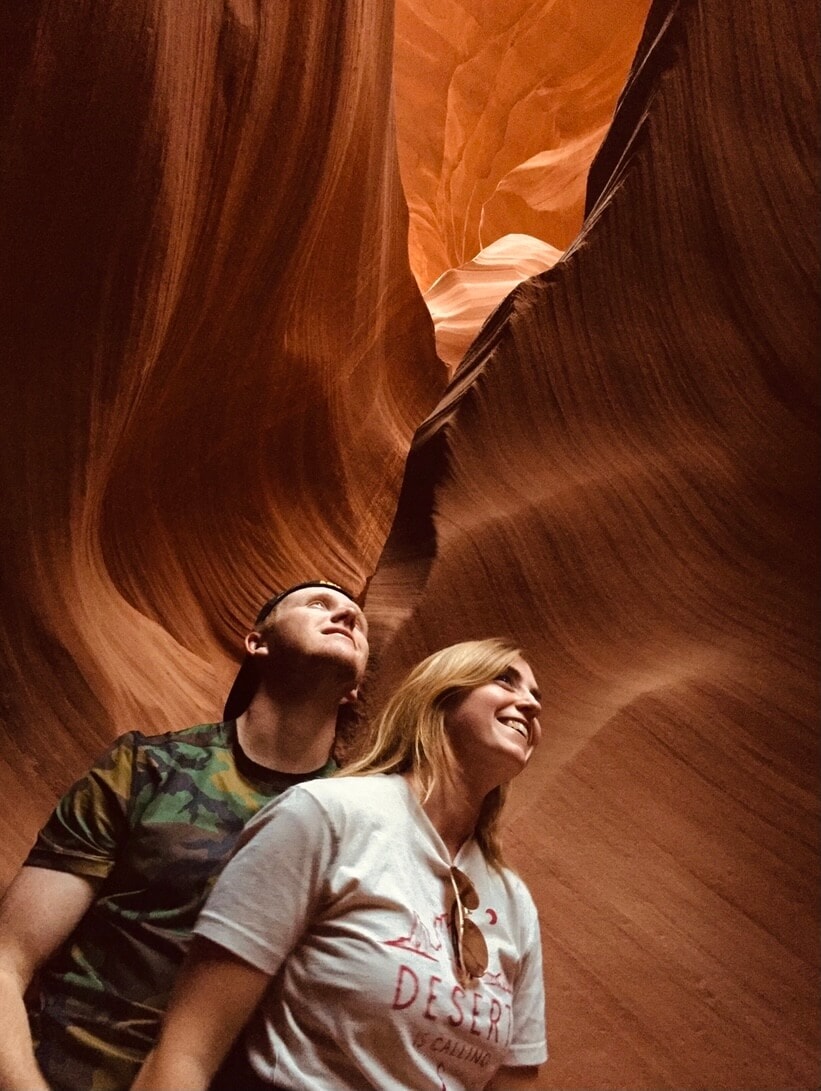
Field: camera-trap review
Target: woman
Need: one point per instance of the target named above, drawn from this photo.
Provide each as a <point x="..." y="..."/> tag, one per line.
<point x="369" y="918"/>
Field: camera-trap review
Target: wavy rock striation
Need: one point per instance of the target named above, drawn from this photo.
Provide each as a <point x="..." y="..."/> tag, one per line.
<point x="500" y="109"/>
<point x="215" y="354"/>
<point x="461" y="299"/>
<point x="622" y="477"/>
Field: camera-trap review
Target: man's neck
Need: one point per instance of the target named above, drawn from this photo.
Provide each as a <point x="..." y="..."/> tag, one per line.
<point x="290" y="737"/>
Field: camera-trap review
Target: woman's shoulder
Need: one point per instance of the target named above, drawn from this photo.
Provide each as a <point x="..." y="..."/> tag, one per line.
<point x="344" y="805"/>
<point x="368" y="792"/>
<point x="360" y="808"/>
<point x="516" y="891"/>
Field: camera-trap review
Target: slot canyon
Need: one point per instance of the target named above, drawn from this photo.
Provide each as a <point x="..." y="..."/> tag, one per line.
<point x="505" y="316"/>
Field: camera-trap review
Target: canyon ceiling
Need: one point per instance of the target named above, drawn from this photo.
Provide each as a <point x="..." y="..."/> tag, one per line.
<point x="247" y="254"/>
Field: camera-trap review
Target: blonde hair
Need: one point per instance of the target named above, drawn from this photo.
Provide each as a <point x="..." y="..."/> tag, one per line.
<point x="409" y="735"/>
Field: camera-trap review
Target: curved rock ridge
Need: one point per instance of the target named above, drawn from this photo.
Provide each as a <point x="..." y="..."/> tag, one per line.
<point x="622" y="477"/>
<point x="217" y="356"/>
<point x="499" y="110"/>
<point x="215" y="353"/>
<point x="461" y="299"/>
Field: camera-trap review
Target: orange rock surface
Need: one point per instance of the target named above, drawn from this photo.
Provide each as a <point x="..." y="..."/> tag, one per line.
<point x="215" y="354"/>
<point x="461" y="299"/>
<point x="623" y="477"/>
<point x="500" y="109"/>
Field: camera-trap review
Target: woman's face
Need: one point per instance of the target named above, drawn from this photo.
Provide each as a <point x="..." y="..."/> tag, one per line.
<point x="496" y="724"/>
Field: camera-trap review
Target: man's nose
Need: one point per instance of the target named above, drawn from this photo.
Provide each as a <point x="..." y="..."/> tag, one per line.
<point x="346" y="614"/>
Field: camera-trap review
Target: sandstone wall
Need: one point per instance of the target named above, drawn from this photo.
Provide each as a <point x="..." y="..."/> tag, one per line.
<point x="214" y="352"/>
<point x="215" y="355"/>
<point x="622" y="477"/>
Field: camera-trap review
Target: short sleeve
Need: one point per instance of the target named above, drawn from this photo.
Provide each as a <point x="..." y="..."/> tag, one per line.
<point x="529" y="1042"/>
<point x="91" y="821"/>
<point x="270" y="890"/>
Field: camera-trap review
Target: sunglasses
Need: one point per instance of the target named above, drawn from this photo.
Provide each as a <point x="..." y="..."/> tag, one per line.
<point x="468" y="942"/>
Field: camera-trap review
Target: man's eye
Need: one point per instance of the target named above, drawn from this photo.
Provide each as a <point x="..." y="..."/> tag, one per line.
<point x="317" y="602"/>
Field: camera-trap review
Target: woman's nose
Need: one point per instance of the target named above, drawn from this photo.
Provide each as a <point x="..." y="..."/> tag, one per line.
<point x="528" y="704"/>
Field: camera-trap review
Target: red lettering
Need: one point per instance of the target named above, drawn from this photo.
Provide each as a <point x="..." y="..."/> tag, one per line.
<point x="456" y="1022"/>
<point x="477" y="999"/>
<point x="495" y="1016"/>
<point x="432" y="996"/>
<point x="400" y="980"/>
<point x="509" y="1024"/>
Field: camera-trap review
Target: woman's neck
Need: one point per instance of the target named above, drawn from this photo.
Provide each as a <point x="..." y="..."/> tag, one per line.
<point x="453" y="809"/>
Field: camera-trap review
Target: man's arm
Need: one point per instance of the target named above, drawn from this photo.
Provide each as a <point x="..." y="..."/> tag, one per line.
<point x="214" y="997"/>
<point x="40" y="909"/>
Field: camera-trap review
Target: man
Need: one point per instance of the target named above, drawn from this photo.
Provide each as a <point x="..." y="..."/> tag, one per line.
<point x="105" y="902"/>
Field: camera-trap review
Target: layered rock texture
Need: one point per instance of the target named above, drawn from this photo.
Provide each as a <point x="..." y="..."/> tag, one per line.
<point x="215" y="354"/>
<point x="500" y="109"/>
<point x="623" y="477"/>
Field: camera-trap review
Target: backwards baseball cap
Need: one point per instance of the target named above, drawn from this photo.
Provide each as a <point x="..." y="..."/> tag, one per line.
<point x="246" y="681"/>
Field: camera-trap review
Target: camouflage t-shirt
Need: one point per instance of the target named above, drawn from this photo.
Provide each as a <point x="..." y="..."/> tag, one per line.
<point x="153" y="822"/>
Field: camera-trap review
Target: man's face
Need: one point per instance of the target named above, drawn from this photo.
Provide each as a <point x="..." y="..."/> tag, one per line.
<point x="319" y="622"/>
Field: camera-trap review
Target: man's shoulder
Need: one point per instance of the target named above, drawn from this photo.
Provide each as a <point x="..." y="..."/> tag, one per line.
<point x="198" y="735"/>
<point x="191" y="748"/>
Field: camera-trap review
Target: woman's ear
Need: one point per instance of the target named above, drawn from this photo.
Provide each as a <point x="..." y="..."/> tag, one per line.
<point x="255" y="643"/>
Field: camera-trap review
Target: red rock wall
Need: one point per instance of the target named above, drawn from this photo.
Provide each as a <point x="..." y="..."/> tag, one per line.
<point x="216" y="356"/>
<point x="623" y="478"/>
<point x="214" y="352"/>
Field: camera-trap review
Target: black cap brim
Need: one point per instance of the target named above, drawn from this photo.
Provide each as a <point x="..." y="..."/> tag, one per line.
<point x="243" y="689"/>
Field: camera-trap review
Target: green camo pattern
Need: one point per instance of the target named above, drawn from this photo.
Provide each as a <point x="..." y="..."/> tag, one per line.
<point x="152" y="824"/>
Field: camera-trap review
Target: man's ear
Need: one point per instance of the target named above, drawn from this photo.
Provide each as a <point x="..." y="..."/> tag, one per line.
<point x="350" y="698"/>
<point x="255" y="643"/>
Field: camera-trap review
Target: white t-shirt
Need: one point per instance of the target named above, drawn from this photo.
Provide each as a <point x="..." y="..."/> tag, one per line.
<point x="340" y="890"/>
